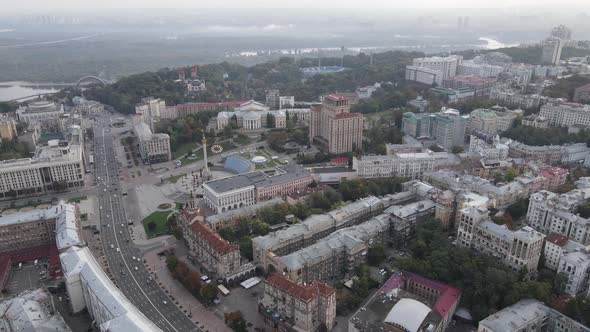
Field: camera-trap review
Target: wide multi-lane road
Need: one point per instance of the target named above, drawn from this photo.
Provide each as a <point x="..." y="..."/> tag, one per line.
<point x="123" y="258"/>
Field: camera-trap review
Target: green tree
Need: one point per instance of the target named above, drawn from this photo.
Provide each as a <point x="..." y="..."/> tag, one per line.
<point x="171" y="262"/>
<point x="376" y="255"/>
<point x="208" y="293"/>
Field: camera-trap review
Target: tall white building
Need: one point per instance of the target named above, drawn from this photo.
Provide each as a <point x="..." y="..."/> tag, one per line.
<point x="446" y="65"/>
<point x="562" y="114"/>
<point x="552" y="51"/>
<point x="570" y="258"/>
<point x="57" y="167"/>
<point x="552" y="213"/>
<point x="153" y="148"/>
<point x="467" y="68"/>
<point x="516" y="249"/>
<point x="424" y="75"/>
<point x="150" y="109"/>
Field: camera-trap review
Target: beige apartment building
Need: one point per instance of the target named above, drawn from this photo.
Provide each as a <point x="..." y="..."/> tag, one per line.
<point x="302" y="308"/>
<point x="334" y="127"/>
<point x="7" y="128"/>
<point x="206" y="247"/>
<point x="516" y="249"/>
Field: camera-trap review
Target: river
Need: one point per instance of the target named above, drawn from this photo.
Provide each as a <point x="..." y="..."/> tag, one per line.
<point x="14" y="90"/>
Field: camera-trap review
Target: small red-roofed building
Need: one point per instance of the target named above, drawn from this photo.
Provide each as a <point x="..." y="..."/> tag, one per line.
<point x="300" y="307"/>
<point x="206" y="247"/>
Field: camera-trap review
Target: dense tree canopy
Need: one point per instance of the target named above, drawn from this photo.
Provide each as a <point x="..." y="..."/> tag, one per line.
<point x="549" y="136"/>
<point x="251" y="82"/>
<point x="565" y="87"/>
<point x="487" y="285"/>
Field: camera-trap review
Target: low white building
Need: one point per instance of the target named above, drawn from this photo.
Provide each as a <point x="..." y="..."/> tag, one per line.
<point x="90" y="288"/>
<point x="44" y="113"/>
<point x="408" y="165"/>
<point x="153" y="148"/>
<point x="529" y="315"/>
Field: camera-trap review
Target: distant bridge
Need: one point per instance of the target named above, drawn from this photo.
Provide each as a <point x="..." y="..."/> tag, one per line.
<point x="91" y="78"/>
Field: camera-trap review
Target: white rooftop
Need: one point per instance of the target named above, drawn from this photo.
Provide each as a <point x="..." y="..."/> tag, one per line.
<point x="408" y="314"/>
<point x="31" y="312"/>
<point x="120" y="314"/>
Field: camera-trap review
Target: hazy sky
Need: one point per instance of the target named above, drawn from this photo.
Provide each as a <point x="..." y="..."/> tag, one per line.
<point x="25" y="5"/>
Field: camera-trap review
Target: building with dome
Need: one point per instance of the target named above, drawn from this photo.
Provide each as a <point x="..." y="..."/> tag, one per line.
<point x="45" y="113"/>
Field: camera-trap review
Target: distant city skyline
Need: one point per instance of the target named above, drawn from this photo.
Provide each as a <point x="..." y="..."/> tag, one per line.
<point x="37" y="5"/>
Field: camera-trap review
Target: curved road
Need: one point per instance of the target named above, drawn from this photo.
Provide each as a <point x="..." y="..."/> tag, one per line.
<point x="122" y="256"/>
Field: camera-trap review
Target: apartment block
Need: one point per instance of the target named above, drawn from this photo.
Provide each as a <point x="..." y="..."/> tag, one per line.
<point x="529" y="315"/>
<point x="441" y="67"/>
<point x="154" y="148"/>
<point x="562" y="114"/>
<point x="208" y="248"/>
<point x="333" y="127"/>
<point x="490" y="122"/>
<point x="570" y="258"/>
<point x="516" y="249"/>
<point x="7" y="128"/>
<point x="316" y="227"/>
<point x="302" y="308"/>
<point x="555" y="213"/>
<point x="447" y="128"/>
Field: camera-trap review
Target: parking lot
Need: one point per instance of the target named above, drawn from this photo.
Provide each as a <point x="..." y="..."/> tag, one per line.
<point x="29" y="277"/>
<point x="246" y="301"/>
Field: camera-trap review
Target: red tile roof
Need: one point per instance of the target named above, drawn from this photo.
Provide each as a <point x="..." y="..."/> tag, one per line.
<point x="215" y="241"/>
<point x="303" y="292"/>
<point x="324" y="289"/>
<point x="448" y="297"/>
<point x="557" y="239"/>
<point x="191" y="215"/>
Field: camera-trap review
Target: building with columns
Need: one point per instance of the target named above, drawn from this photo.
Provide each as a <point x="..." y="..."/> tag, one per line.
<point x="252" y="115"/>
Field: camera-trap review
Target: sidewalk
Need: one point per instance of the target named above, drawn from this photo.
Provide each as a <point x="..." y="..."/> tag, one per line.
<point x="205" y="319"/>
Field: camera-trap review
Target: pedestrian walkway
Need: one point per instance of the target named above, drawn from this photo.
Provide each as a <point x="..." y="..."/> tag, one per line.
<point x="185" y="301"/>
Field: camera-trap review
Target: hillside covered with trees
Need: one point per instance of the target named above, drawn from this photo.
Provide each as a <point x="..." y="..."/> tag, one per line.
<point x="244" y="83"/>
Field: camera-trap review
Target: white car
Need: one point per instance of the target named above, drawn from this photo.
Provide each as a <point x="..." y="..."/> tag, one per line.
<point x="136" y="268"/>
<point x="118" y="250"/>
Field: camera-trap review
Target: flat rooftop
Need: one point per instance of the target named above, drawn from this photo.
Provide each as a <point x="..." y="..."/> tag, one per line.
<point x="257" y="179"/>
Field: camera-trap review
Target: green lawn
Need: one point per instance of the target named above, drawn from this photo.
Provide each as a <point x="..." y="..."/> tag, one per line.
<point x="160" y="218"/>
<point x="77" y="199"/>
<point x="226" y="145"/>
<point x="184" y="149"/>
